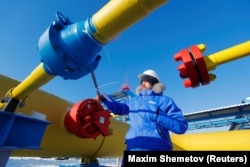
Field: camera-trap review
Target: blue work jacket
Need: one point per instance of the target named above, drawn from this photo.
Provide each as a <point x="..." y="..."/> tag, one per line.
<point x="151" y="117"/>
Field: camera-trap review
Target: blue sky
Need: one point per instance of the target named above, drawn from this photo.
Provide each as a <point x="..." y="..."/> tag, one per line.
<point x="150" y="43"/>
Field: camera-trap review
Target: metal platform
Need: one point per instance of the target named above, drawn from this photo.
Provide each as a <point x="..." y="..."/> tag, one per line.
<point x="236" y="116"/>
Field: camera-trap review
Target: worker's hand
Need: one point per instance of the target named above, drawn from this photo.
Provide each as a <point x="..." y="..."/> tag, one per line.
<point x="100" y="98"/>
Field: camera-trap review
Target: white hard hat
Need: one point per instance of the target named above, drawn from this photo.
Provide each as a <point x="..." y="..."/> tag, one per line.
<point x="151" y="73"/>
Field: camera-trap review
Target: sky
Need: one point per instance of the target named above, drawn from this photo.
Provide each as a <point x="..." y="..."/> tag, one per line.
<point x="150" y="43"/>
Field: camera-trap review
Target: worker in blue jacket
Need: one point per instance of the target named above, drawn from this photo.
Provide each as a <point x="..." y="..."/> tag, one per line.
<point x="152" y="115"/>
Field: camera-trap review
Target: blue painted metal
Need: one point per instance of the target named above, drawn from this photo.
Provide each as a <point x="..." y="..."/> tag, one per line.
<point x="68" y="49"/>
<point x="227" y="111"/>
<point x="220" y="123"/>
<point x="122" y="95"/>
<point x="4" y="156"/>
<point x="18" y="131"/>
<point x="233" y="115"/>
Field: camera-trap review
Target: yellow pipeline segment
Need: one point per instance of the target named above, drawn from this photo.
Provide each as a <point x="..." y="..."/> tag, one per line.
<point x="57" y="141"/>
<point x="230" y="54"/>
<point x="37" y="78"/>
<point x="117" y="15"/>
<point x="228" y="140"/>
<point x="114" y="17"/>
<point x="55" y="109"/>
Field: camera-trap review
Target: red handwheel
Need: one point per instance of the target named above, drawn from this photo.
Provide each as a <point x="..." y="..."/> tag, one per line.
<point x="87" y="119"/>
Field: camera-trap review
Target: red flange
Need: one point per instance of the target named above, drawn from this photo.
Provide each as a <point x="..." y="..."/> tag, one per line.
<point x="201" y="65"/>
<point x="193" y="67"/>
<point x="187" y="69"/>
<point x="87" y="119"/>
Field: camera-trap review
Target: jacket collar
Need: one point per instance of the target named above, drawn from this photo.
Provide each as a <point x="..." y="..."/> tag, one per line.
<point x="157" y="89"/>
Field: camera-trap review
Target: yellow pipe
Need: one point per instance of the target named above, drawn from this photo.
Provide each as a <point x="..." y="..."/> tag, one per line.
<point x="228" y="140"/>
<point x="37" y="78"/>
<point x="230" y="54"/>
<point x="118" y="15"/>
<point x="56" y="139"/>
<point x="114" y="17"/>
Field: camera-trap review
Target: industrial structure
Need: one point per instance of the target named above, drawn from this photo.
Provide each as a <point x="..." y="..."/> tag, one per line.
<point x="36" y="123"/>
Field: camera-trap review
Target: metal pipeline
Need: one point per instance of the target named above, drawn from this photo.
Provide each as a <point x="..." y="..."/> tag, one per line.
<point x="70" y="50"/>
<point x="117" y="15"/>
<point x="196" y="67"/>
